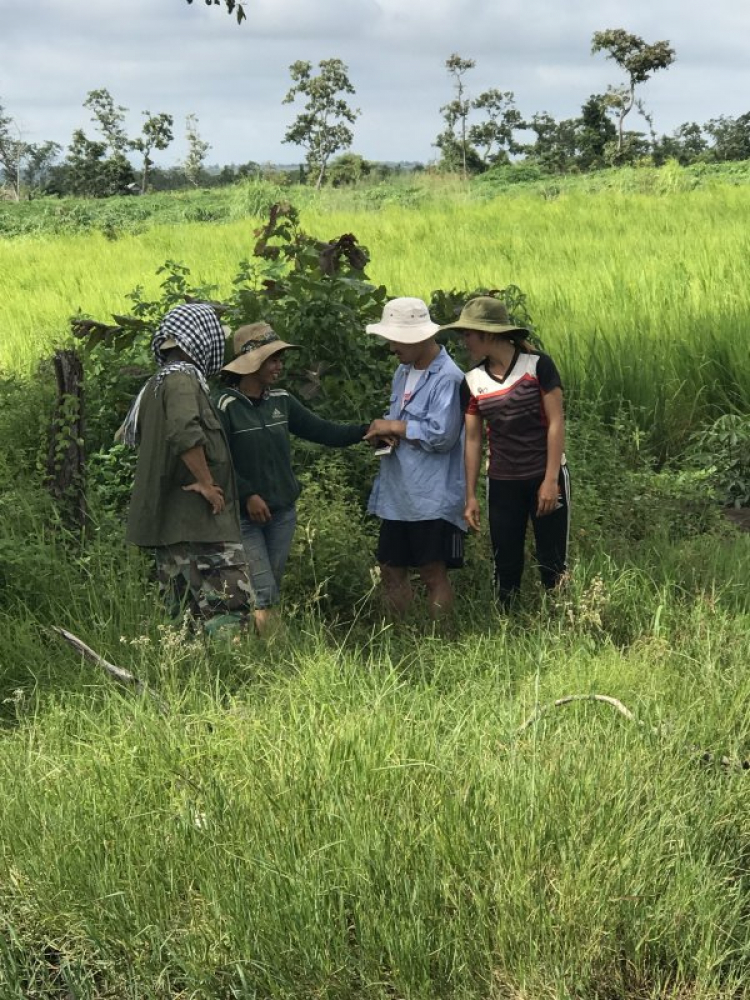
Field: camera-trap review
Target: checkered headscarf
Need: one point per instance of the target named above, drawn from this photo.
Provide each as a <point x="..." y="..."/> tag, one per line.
<point x="196" y="331"/>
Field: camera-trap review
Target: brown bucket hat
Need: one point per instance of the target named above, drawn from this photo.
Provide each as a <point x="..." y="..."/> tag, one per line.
<point x="254" y="344"/>
<point x="486" y="315"/>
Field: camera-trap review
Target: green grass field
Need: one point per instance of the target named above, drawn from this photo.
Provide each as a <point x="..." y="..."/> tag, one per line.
<point x="353" y="811"/>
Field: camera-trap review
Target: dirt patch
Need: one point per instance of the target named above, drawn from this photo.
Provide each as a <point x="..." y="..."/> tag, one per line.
<point x="739" y="516"/>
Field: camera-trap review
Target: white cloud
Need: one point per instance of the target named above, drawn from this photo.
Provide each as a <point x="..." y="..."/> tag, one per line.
<point x="167" y="56"/>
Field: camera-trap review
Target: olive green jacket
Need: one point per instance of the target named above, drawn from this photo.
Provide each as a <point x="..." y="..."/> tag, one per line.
<point x="171" y="421"/>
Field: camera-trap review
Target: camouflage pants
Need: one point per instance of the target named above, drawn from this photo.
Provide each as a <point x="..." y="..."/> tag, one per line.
<point x="205" y="578"/>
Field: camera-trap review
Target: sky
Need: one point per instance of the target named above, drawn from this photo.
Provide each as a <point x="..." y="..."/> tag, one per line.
<point x="163" y="55"/>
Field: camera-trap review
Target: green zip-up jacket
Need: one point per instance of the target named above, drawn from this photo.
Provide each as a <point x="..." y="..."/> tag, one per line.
<point x="173" y="420"/>
<point x="258" y="434"/>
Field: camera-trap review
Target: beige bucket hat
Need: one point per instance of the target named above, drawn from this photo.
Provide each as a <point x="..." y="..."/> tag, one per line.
<point x="405" y="321"/>
<point x="254" y="344"/>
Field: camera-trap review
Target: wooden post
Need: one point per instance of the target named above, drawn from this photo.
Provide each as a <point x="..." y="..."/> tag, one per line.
<point x="66" y="457"/>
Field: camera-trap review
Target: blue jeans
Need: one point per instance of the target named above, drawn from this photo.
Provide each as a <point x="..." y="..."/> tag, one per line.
<point x="267" y="547"/>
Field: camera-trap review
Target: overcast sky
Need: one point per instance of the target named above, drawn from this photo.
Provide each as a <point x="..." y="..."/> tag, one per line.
<point x="163" y="55"/>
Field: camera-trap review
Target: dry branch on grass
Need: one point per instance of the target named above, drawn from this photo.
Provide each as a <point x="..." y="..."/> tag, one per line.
<point x="119" y="674"/>
<point x="707" y="756"/>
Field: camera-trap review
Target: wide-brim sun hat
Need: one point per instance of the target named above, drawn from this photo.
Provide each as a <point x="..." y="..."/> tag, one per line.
<point x="405" y="321"/>
<point x="254" y="344"/>
<point x="485" y="315"/>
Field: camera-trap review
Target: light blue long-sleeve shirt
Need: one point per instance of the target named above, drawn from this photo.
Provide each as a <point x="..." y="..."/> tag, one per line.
<point x="423" y="478"/>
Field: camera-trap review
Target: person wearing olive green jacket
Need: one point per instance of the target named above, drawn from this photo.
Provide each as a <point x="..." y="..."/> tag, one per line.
<point x="184" y="500"/>
<point x="258" y="420"/>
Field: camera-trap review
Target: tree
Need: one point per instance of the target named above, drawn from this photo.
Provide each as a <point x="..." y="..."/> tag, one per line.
<point x="456" y="112"/>
<point x="197" y="150"/>
<point x="12" y="152"/>
<point x="90" y="173"/>
<point x="637" y="59"/>
<point x="232" y="8"/>
<point x="39" y="159"/>
<point x="156" y="134"/>
<point x="321" y="128"/>
<point x="110" y="119"/>
<point x="731" y="137"/>
<point x="595" y="130"/>
<point x="555" y="145"/>
<point x="497" y="130"/>
<point x="348" y="169"/>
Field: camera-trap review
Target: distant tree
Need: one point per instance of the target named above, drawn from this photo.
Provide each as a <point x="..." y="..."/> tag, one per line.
<point x="321" y="129"/>
<point x="731" y="137"/>
<point x="196" y="152"/>
<point x="456" y="114"/>
<point x="494" y="137"/>
<point x="348" y="169"/>
<point x="12" y="153"/>
<point x="638" y="60"/>
<point x="595" y="129"/>
<point x="89" y="172"/>
<point x="39" y="159"/>
<point x="554" y="147"/>
<point x="155" y="134"/>
<point x="109" y="118"/>
<point x="231" y="5"/>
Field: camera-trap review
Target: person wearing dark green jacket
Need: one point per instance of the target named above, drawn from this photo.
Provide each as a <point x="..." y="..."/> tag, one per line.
<point x="258" y="419"/>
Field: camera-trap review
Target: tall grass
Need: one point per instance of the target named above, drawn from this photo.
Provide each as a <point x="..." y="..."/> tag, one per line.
<point x="641" y="297"/>
<point x="351" y="811"/>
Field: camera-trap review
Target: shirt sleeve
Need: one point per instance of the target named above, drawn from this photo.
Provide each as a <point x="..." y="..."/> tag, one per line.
<point x="183" y="429"/>
<point x="547" y="374"/>
<point x="308" y="425"/>
<point x="440" y="427"/>
<point x="468" y="400"/>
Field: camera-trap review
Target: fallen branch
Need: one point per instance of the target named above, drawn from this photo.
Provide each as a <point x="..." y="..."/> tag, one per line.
<point x="706" y="756"/>
<point x="540" y="710"/>
<point x="119" y="674"/>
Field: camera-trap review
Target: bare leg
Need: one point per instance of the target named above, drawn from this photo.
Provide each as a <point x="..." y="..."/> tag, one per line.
<point x="396" y="588"/>
<point x="439" y="591"/>
<point x="267" y="621"/>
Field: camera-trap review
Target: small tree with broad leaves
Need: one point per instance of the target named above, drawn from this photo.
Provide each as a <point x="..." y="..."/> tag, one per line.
<point x="156" y="134"/>
<point x="197" y="149"/>
<point x="322" y="129"/>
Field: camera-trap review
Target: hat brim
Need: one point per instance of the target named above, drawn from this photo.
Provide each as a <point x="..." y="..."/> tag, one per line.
<point x="403" y="334"/>
<point x="249" y="363"/>
<point x="479" y="327"/>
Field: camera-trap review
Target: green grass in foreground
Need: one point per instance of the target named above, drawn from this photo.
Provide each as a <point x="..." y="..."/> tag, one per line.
<point x="351" y="811"/>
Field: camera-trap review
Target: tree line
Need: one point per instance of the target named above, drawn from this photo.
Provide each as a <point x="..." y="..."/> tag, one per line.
<point x="478" y="133"/>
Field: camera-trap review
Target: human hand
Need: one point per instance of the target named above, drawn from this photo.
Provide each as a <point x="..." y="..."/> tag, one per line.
<point x="211" y="493"/>
<point x="257" y="509"/>
<point x="471" y="513"/>
<point x="382" y="432"/>
<point x="547" y="498"/>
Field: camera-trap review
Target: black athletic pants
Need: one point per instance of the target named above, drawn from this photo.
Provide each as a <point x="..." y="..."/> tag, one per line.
<point x="511" y="503"/>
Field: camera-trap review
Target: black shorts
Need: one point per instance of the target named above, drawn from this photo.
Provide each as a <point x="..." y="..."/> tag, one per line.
<point x="417" y="543"/>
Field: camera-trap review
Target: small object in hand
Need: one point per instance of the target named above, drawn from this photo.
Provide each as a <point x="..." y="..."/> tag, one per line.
<point x="383" y="449"/>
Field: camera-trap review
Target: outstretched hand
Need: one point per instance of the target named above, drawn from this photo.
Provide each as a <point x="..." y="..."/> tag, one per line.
<point x="382" y="432"/>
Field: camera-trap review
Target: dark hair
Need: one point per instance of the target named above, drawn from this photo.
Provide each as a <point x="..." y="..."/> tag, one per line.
<point x="230" y="379"/>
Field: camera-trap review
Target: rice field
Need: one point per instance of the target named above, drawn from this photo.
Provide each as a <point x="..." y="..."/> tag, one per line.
<point x="356" y="810"/>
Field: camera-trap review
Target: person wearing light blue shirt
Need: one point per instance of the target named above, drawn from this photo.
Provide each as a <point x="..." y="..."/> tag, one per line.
<point x="419" y="492"/>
